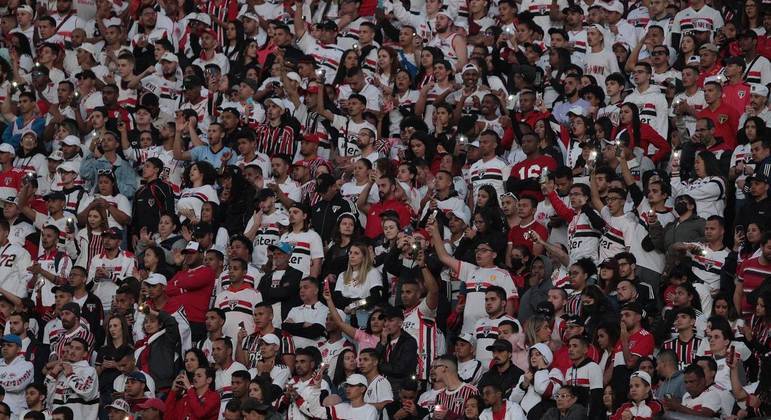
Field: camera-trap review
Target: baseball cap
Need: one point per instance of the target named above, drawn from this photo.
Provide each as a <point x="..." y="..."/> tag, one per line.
<point x="270" y="339"/>
<point x="66" y="288"/>
<point x="393" y="312"/>
<point x="470" y="66"/>
<point x="500" y="345"/>
<point x="758" y="89"/>
<point x="112" y="22"/>
<point x="192" y="246"/>
<point x="467" y="337"/>
<point x="71" y="141"/>
<point x="573" y="320"/>
<point x="155" y="279"/>
<point x="201" y="17"/>
<point x="613" y="6"/>
<point x="577" y="110"/>
<point x="249" y="15"/>
<point x="89" y="48"/>
<point x="25" y="8"/>
<point x="7" y="148"/>
<point x="192" y="81"/>
<point x="67" y="167"/>
<point x="137" y="376"/>
<point x="710" y="47"/>
<point x="284" y="247"/>
<point x="56" y="155"/>
<point x="55" y="195"/>
<point x="574" y="8"/>
<point x="169" y="56"/>
<point x="642" y="375"/>
<point x="121" y="405"/>
<point x="545" y="308"/>
<point x="356" y="379"/>
<point x="72" y="307"/>
<point x="633" y="306"/>
<point x="11" y="338"/>
<point x="462" y="213"/>
<point x="113" y="232"/>
<point x="154" y="403"/>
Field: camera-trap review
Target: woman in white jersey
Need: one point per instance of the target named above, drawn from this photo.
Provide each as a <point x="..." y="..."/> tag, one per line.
<point x="87" y="243"/>
<point x="707" y="186"/>
<point x="360" y="285"/>
<point x="107" y="196"/>
<point x="30" y="157"/>
<point x="200" y="177"/>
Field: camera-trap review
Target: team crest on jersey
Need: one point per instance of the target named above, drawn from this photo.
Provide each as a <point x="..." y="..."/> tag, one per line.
<point x="151" y="202"/>
<point x="232" y="304"/>
<point x="722" y="118"/>
<point x="486" y="330"/>
<point x="91" y="307"/>
<point x="741" y="94"/>
<point x="481" y="173"/>
<point x="8" y="182"/>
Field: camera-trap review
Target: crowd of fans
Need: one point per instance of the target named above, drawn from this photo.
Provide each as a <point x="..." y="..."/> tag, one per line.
<point x="371" y="210"/>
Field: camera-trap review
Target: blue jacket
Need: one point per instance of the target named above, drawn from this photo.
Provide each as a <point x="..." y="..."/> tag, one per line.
<point x="124" y="174"/>
<point x="38" y="125"/>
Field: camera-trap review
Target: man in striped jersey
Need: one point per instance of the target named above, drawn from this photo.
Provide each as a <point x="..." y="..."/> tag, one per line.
<point x="237" y="300"/>
<point x="222" y="352"/>
<point x="751" y="274"/>
<point x="686" y="343"/>
<point x="490" y="169"/>
<point x="72" y="329"/>
<point x="451" y="401"/>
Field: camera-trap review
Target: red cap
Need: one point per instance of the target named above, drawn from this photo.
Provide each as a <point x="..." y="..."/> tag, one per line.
<point x="312" y="89"/>
<point x="304" y="163"/>
<point x="210" y="31"/>
<point x="312" y="138"/>
<point x="152" y="403"/>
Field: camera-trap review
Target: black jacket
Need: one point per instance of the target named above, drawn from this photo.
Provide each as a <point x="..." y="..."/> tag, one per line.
<point x="506" y="380"/>
<point x="325" y="213"/>
<point x="400" y="362"/>
<point x="162" y="352"/>
<point x="93" y="312"/>
<point x="755" y="212"/>
<point x="287" y="291"/>
<point x="150" y="201"/>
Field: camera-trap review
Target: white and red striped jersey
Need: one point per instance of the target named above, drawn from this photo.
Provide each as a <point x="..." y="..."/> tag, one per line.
<point x="312" y="314"/>
<point x="251" y="279"/>
<point x="758" y="71"/>
<point x="705" y="19"/>
<point x="117" y="268"/>
<point x="327" y="55"/>
<point x="454" y="401"/>
<point x="14" y="261"/>
<point x="349" y="34"/>
<point x="60" y="341"/>
<point x="708" y="267"/>
<point x="330" y="351"/>
<point x="202" y="111"/>
<point x="222" y="383"/>
<point x="540" y="10"/>
<point x="420" y="323"/>
<point x="708" y="399"/>
<point x="307" y="247"/>
<point x="654" y="108"/>
<point x="168" y="91"/>
<point x="275" y="140"/>
<point x="749" y="276"/>
<point x="586" y="375"/>
<point x="685" y="351"/>
<point x="193" y="198"/>
<point x="741" y="154"/>
<point x="78" y="391"/>
<point x="486" y="332"/>
<point x="618" y="235"/>
<point x="476" y="280"/>
<point x="238" y="305"/>
<point x="252" y="345"/>
<point x="55" y="262"/>
<point x="493" y="172"/>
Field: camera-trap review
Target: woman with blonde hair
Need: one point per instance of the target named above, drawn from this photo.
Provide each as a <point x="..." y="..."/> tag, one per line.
<point x="537" y="330"/>
<point x="360" y="285"/>
<point x="86" y="244"/>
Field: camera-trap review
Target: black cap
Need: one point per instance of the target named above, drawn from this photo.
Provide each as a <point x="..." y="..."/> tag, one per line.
<point x="687" y="311"/>
<point x="573" y="319"/>
<point x="192" y="81"/>
<point x="55" y="195"/>
<point x="66" y="288"/>
<point x="634" y="307"/>
<point x="86" y="74"/>
<point x="739" y="61"/>
<point x="264" y="193"/>
<point x="500" y="345"/>
<point x="251" y="83"/>
<point x="72" y="307"/>
<point x="113" y="232"/>
<point x="545" y="308"/>
<point x="302" y="206"/>
<point x="328" y="25"/>
<point x="202" y="229"/>
<point x="392" y="312"/>
<point x="573" y="8"/>
<point x="323" y="182"/>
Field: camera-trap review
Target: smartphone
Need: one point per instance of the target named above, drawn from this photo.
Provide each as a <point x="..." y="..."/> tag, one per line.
<point x="739" y="229"/>
<point x="731" y="353"/>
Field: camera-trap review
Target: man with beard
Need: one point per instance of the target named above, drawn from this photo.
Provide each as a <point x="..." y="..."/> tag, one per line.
<point x="306" y="377"/>
<point x="387" y="191"/>
<point x="503" y="372"/>
<point x="112" y="265"/>
<point x="724" y="117"/>
<point x="192" y="287"/>
<point x="73" y="376"/>
<point x="72" y="329"/>
<point x="451" y="43"/>
<point x="166" y="85"/>
<point x="331" y="206"/>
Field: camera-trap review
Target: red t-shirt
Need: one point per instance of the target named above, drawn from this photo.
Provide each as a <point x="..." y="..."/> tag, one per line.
<point x="374" y="229"/>
<point x="751" y="274"/>
<point x="641" y="344"/>
<point x="737" y="96"/>
<point x="726" y="121"/>
<point x="517" y="234"/>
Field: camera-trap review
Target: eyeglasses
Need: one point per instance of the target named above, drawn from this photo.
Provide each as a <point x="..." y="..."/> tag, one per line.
<point x="563" y="396"/>
<point x="508" y="194"/>
<point x="615" y="198"/>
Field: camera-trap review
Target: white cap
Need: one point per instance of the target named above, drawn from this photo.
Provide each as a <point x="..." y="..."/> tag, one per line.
<point x="89" y="48"/>
<point x="448" y="11"/>
<point x="474" y="143"/>
<point x="462" y="213"/>
<point x="249" y="15"/>
<point x="613" y="6"/>
<point x="121" y="405"/>
<point x="758" y="89"/>
<point x="577" y="110"/>
<point x="71" y="141"/>
<point x="169" y="56"/>
<point x="201" y="17"/>
<point x="270" y="339"/>
<point x="192" y="246"/>
<point x="7" y="148"/>
<point x="545" y="352"/>
<point x="25" y="8"/>
<point x="292" y="75"/>
<point x="642" y="375"/>
<point x="112" y="22"/>
<point x="470" y="66"/>
<point x="356" y="379"/>
<point x="56" y="155"/>
<point x="713" y="79"/>
<point x="67" y="167"/>
<point x="155" y="279"/>
<point x="467" y="337"/>
<point x="282" y="103"/>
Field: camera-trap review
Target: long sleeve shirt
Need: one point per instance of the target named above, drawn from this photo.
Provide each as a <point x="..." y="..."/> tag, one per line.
<point x="192" y="289"/>
<point x="192" y="407"/>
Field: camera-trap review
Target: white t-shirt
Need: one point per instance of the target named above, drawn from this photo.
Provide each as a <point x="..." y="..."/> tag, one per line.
<point x="360" y="291"/>
<point x="476" y="281"/>
<point x="307" y="247"/>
